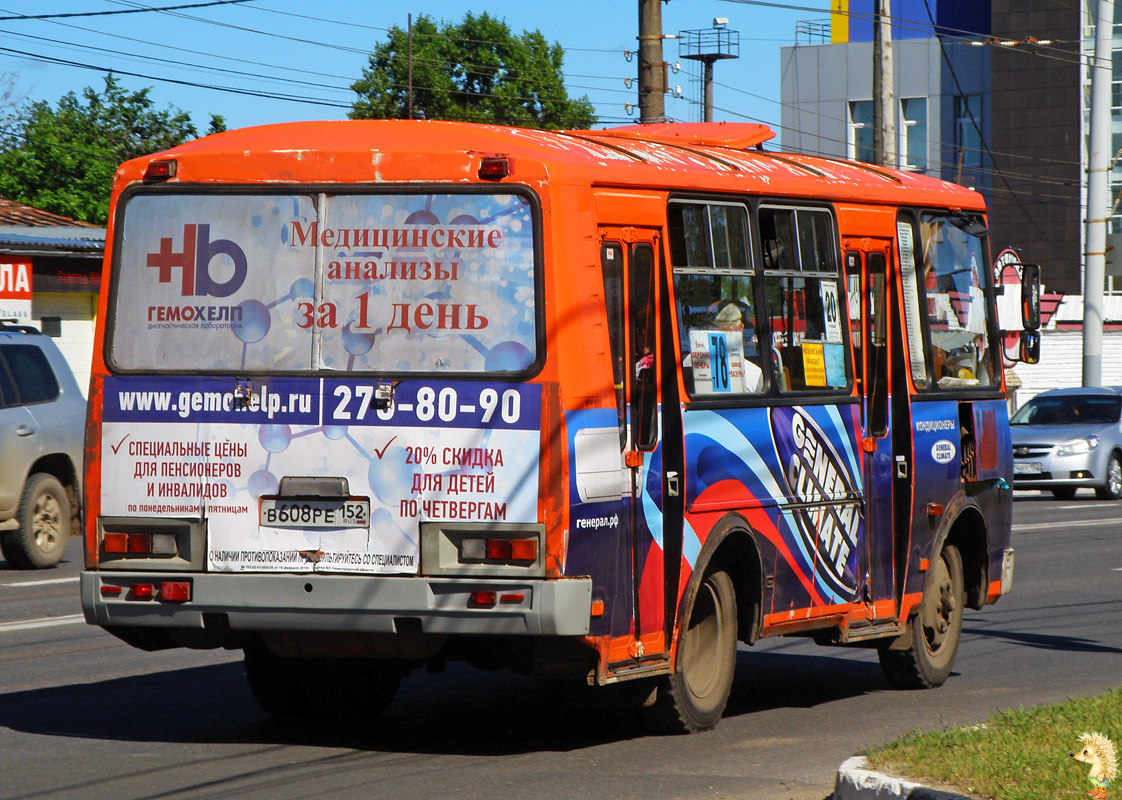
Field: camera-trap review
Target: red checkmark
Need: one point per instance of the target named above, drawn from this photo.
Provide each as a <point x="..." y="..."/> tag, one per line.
<point x="117" y="446"/>
<point x="382" y="452"/>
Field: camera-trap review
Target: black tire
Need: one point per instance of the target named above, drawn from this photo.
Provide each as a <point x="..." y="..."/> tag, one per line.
<point x="935" y="629"/>
<point x="275" y="682"/>
<point x="44" y="525"/>
<point x="1112" y="487"/>
<point x="1064" y="492"/>
<point x="694" y="696"/>
<point x="315" y="688"/>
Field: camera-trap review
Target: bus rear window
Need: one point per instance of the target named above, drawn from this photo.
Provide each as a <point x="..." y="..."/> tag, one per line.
<point x="382" y="283"/>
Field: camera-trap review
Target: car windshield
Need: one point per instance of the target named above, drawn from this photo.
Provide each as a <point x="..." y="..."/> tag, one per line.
<point x="1068" y="410"/>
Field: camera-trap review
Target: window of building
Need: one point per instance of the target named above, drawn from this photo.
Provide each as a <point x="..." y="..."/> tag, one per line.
<point x="968" y="122"/>
<point x="913" y="136"/>
<point x="861" y="131"/>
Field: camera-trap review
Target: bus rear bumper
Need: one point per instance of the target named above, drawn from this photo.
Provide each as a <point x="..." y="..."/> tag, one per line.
<point x="263" y="603"/>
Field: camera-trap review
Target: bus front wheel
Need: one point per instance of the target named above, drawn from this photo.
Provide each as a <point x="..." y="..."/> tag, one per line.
<point x="693" y="697"/>
<point x="935" y="629"/>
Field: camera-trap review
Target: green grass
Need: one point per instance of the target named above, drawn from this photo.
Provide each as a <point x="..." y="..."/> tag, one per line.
<point x="1014" y="755"/>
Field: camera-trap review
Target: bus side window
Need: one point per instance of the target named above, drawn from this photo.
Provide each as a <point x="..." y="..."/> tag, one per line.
<point x="644" y="387"/>
<point x="877" y="356"/>
<point x="611" y="265"/>
<point x="804" y="301"/>
<point x="714" y="289"/>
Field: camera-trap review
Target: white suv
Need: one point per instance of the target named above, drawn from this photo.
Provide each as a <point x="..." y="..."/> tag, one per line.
<point x="42" y="418"/>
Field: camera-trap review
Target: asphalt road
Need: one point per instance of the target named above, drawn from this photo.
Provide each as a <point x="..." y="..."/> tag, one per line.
<point x="84" y="716"/>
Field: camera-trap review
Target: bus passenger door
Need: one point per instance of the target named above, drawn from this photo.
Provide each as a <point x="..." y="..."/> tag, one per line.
<point x="866" y="264"/>
<point x="652" y="480"/>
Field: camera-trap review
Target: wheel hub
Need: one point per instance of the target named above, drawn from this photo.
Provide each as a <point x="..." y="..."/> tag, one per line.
<point x="46" y="524"/>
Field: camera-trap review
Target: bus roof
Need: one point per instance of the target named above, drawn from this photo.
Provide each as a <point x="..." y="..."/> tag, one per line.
<point x="719" y="156"/>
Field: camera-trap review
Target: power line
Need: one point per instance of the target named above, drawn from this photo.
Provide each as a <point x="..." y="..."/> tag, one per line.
<point x="230" y="89"/>
<point x="168" y="46"/>
<point x="122" y="11"/>
<point x="982" y="138"/>
<point x="182" y="65"/>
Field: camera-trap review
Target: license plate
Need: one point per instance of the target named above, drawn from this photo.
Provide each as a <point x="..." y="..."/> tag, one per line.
<point x="351" y="512"/>
<point x="1027" y="468"/>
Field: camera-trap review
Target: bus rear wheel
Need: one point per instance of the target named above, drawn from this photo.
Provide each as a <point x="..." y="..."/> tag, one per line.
<point x="935" y="629"/>
<point x="694" y="696"/>
<point x="316" y="688"/>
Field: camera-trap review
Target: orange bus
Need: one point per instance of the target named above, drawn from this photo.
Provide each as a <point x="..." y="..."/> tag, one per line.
<point x="602" y="404"/>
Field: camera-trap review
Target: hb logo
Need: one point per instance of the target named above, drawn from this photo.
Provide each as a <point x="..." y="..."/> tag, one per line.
<point x="194" y="260"/>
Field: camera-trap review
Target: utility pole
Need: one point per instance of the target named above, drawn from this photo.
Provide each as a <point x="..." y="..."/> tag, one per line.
<point x="884" y="95"/>
<point x="410" y="18"/>
<point x="1098" y="167"/>
<point x="652" y="69"/>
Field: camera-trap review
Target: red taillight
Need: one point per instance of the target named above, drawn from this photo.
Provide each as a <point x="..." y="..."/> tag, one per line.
<point x="498" y="549"/>
<point x="142" y="591"/>
<point x="160" y="170"/>
<point x="512" y="599"/>
<point x="494" y="169"/>
<point x="175" y="591"/>
<point x="482" y="599"/>
<point x="512" y="549"/>
<point x="523" y="549"/>
<point x="159" y="544"/>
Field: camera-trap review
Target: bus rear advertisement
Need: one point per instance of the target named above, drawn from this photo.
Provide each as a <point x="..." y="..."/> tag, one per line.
<point x="369" y="396"/>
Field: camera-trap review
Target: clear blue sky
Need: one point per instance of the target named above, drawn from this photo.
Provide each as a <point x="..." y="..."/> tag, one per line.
<point x="308" y="53"/>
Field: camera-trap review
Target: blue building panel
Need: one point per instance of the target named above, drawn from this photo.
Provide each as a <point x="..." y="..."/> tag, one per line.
<point x="911" y="18"/>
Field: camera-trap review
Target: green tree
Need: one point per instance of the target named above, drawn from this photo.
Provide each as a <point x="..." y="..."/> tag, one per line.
<point x="475" y="71"/>
<point x="62" y="158"/>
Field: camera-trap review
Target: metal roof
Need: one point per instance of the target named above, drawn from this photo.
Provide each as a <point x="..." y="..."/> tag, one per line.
<point x="22" y="238"/>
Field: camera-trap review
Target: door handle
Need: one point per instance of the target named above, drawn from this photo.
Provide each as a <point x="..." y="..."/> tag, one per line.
<point x="24" y="430"/>
<point x="901" y="467"/>
<point x="673" y="485"/>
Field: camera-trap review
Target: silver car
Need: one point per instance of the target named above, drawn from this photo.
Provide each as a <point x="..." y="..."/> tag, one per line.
<point x="1067" y="438"/>
<point x="42" y="420"/>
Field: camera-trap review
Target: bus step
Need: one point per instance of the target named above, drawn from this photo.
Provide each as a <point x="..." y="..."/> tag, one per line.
<point x="629" y="669"/>
<point x="859" y="632"/>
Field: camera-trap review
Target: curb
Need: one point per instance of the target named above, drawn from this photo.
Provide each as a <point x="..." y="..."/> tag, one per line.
<point x="857" y="782"/>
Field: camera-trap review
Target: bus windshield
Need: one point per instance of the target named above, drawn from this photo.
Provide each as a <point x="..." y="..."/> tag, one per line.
<point x="954" y="264"/>
<point x="383" y="283"/>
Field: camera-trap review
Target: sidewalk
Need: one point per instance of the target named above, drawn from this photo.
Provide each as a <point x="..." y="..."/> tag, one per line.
<point x="857" y="782"/>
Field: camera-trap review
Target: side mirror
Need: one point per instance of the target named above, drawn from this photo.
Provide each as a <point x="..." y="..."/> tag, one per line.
<point x="1030" y="298"/>
<point x="1030" y="347"/>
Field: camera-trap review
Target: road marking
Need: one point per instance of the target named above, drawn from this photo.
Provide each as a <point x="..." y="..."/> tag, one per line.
<point x="1085" y="523"/>
<point x="43" y="582"/>
<point x="42" y="622"/>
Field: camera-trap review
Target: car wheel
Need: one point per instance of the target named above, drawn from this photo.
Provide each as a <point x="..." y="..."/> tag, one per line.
<point x="44" y="525"/>
<point x="693" y="697"/>
<point x="935" y="629"/>
<point x="1064" y="492"/>
<point x="1112" y="488"/>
